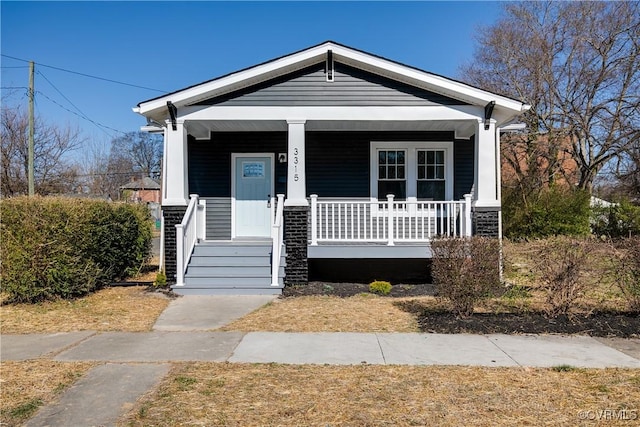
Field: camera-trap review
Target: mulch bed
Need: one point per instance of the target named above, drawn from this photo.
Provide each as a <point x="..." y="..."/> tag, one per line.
<point x="345" y="290"/>
<point x="594" y="324"/>
<point x="597" y="324"/>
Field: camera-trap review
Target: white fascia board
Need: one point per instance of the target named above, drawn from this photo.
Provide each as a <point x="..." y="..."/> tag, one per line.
<point x="284" y="65"/>
<point x="269" y="70"/>
<point x="423" y="113"/>
<point x="433" y="82"/>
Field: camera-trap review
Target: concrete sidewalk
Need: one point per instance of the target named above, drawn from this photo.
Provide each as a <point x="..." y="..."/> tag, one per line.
<point x="134" y="363"/>
<point x="340" y="348"/>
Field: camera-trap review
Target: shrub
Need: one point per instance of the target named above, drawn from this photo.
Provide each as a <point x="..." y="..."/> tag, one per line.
<point x="380" y="287"/>
<point x="546" y="212"/>
<point x="466" y="271"/>
<point x="161" y="280"/>
<point x="58" y="247"/>
<point x="627" y="270"/>
<point x="515" y="292"/>
<point x="559" y="263"/>
<point x="621" y="219"/>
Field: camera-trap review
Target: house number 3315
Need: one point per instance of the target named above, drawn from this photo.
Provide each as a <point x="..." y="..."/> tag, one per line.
<point x="296" y="177"/>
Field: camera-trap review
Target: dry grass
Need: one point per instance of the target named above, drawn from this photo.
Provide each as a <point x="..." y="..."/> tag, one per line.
<point x="28" y="385"/>
<point x="129" y="309"/>
<point x="360" y="313"/>
<point x="263" y="395"/>
<point x="601" y="291"/>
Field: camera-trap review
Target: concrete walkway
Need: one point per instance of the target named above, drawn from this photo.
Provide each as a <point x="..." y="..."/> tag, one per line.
<point x="339" y="348"/>
<point x="135" y="362"/>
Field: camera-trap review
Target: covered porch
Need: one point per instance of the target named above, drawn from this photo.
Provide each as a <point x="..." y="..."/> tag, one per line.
<point x="326" y="151"/>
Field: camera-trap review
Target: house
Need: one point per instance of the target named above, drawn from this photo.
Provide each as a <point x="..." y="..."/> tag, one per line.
<point x="319" y="161"/>
<point x="144" y="189"/>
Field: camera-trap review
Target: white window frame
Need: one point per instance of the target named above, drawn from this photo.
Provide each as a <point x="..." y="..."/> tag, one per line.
<point x="411" y="165"/>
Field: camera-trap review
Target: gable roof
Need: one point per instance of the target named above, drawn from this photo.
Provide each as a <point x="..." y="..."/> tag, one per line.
<point x="156" y="108"/>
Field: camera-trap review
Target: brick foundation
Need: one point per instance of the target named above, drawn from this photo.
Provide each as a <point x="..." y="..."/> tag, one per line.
<point x="172" y="215"/>
<point x="485" y="223"/>
<point x="296" y="223"/>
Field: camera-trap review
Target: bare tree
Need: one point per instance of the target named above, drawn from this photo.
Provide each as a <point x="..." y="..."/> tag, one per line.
<point x="578" y="65"/>
<point x="53" y="170"/>
<point x="628" y="173"/>
<point x="131" y="156"/>
<point x="142" y="149"/>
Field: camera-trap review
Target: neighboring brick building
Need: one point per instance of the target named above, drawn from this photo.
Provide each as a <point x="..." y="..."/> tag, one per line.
<point x="520" y="158"/>
<point x="141" y="190"/>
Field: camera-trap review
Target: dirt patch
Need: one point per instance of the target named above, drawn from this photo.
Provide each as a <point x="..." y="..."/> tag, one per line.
<point x="259" y="395"/>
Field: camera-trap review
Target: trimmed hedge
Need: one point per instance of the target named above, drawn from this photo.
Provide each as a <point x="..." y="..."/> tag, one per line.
<point x="63" y="248"/>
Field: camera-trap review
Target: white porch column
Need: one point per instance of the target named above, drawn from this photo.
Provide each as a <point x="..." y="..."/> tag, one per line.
<point x="176" y="173"/>
<point x="486" y="170"/>
<point x="296" y="171"/>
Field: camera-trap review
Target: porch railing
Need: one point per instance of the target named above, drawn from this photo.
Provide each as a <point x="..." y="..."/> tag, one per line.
<point x="277" y="238"/>
<point x="188" y="232"/>
<point x="388" y="220"/>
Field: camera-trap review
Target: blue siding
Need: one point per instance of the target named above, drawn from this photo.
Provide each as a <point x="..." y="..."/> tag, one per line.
<point x="338" y="163"/>
<point x="463" y="173"/>
<point x="210" y="160"/>
<point x="351" y="87"/>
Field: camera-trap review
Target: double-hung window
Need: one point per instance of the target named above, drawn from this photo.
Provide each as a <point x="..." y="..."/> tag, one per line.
<point x="392" y="178"/>
<point x="412" y="170"/>
<point x="431" y="175"/>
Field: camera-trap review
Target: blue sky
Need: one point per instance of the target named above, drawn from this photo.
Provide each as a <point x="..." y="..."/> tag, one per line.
<point x="171" y="45"/>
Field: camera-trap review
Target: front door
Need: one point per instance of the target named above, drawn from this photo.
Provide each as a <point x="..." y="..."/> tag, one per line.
<point x="253" y="186"/>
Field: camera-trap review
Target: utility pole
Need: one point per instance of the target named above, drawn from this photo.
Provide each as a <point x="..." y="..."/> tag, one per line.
<point x="31" y="131"/>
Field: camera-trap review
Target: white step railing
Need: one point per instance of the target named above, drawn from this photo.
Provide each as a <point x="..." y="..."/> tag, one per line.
<point x="388" y="220"/>
<point x="277" y="238"/>
<point x="188" y="232"/>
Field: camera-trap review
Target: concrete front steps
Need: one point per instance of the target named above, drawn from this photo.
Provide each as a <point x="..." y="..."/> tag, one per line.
<point x="231" y="268"/>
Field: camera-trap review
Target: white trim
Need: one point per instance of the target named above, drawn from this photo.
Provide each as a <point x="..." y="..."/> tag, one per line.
<point x="411" y="148"/>
<point x="341" y="53"/>
<point x="234" y="156"/>
<point x="486" y="153"/>
<point x="175" y="180"/>
<point x="301" y="113"/>
<point x="296" y="166"/>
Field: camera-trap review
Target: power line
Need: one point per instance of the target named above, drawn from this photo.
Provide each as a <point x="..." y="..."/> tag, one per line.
<point x="87" y="75"/>
<point x="16" y="66"/>
<point x="83" y="115"/>
<point x="14" y="87"/>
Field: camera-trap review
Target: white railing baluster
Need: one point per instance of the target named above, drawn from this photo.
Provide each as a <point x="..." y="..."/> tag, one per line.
<point x="391" y="219"/>
<point x="276" y="241"/>
<point x="314" y="219"/>
<point x="387" y="221"/>
<point x="186" y="237"/>
<point x="467" y="215"/>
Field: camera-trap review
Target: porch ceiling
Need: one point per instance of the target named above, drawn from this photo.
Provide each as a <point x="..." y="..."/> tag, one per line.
<point x="201" y="129"/>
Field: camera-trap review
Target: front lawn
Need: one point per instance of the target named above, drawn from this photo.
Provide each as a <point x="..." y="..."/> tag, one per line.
<point x="129" y="309"/>
<point x="30" y="384"/>
<point x="280" y="395"/>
